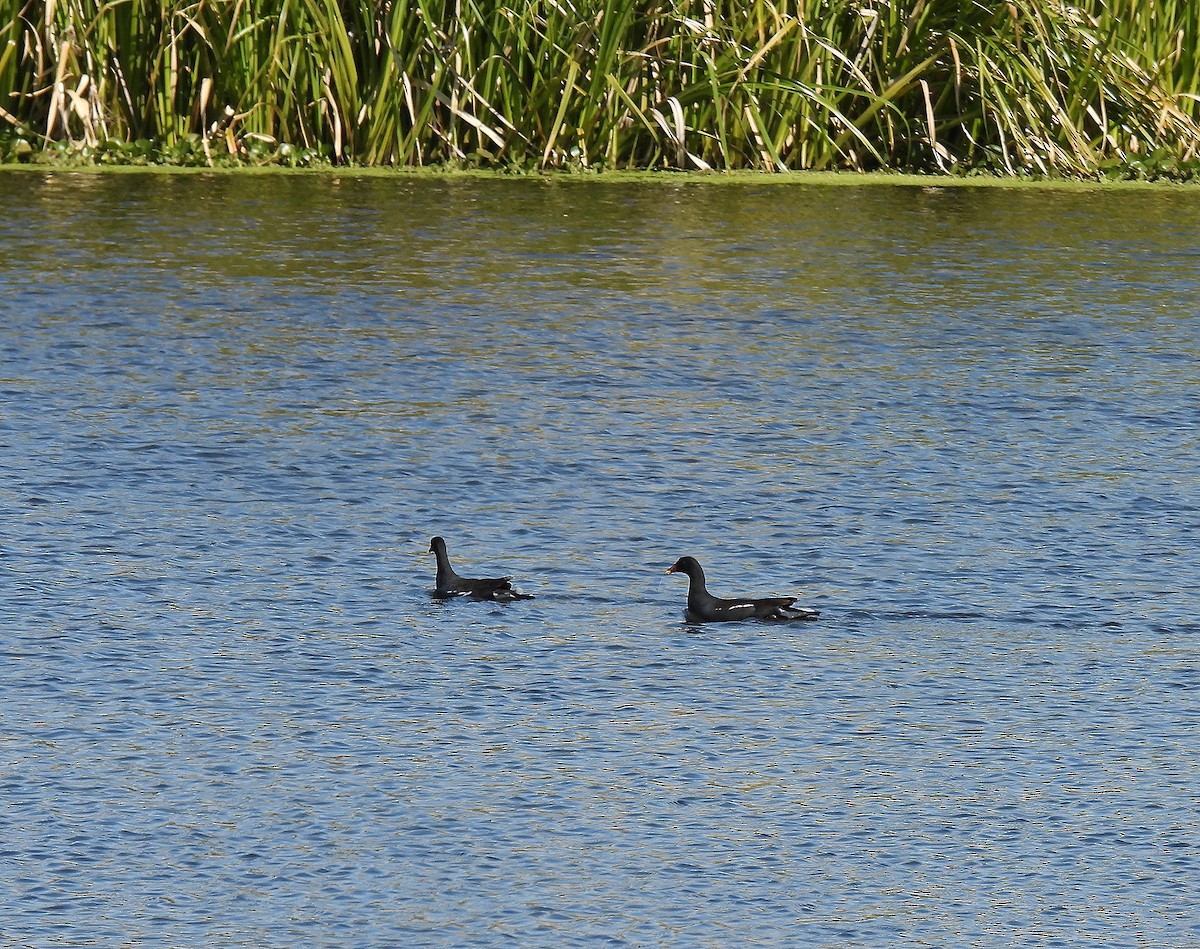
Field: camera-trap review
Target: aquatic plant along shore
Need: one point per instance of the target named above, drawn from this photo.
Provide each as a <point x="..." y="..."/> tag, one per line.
<point x="1030" y="87"/>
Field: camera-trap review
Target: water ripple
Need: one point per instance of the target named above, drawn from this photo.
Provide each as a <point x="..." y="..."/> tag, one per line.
<point x="960" y="423"/>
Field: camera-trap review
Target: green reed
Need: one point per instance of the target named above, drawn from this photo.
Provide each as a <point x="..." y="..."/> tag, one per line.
<point x="1016" y="87"/>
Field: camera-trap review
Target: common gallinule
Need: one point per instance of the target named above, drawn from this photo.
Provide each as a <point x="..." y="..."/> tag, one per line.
<point x="451" y="584"/>
<point x="703" y="607"/>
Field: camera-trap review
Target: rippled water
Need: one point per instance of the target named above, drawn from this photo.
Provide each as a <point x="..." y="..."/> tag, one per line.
<point x="962" y="423"/>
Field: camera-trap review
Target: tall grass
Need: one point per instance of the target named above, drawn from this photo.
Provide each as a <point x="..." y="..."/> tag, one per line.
<point x="1016" y="86"/>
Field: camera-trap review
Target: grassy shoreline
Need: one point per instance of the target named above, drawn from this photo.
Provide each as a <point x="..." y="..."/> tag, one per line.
<point x="1045" y="88"/>
<point x="647" y="178"/>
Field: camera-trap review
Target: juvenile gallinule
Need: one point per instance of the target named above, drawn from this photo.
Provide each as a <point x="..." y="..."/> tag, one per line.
<point x="703" y="607"/>
<point x="451" y="584"/>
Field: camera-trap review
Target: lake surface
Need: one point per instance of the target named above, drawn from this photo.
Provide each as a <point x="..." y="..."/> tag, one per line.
<point x="962" y="423"/>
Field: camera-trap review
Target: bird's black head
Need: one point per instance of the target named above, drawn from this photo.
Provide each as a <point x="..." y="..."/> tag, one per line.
<point x="436" y="544"/>
<point x="688" y="565"/>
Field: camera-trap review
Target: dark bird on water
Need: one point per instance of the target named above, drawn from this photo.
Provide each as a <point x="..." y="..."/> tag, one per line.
<point x="703" y="607"/>
<point x="451" y="584"/>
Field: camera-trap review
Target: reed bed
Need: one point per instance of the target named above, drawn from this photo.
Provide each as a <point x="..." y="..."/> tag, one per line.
<point x="1015" y="87"/>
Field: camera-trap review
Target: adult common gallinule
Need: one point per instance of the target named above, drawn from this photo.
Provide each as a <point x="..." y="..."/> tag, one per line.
<point x="703" y="607"/>
<point x="451" y="584"/>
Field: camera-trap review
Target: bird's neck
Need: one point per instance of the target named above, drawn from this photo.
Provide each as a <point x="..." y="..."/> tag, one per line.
<point x="445" y="573"/>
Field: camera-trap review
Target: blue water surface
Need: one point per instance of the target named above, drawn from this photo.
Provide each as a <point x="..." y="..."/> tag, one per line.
<point x="960" y="422"/>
